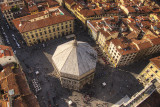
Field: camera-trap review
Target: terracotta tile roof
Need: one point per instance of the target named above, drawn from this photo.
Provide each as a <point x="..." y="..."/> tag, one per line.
<point x="156" y="61"/>
<point x="5" y="51"/>
<point x="128" y="20"/>
<point x="126" y="48"/>
<point x="100" y="25"/>
<point x="8" y="83"/>
<point x="144" y="45"/>
<point x="156" y="41"/>
<point x="99" y="12"/>
<point x="79" y="5"/>
<point x="144" y="9"/>
<point x="133" y="49"/>
<point x="43" y="4"/>
<point x="29" y="17"/>
<point x="106" y="34"/>
<point x="149" y="36"/>
<point x="7" y="69"/>
<point x="29" y="26"/>
<point x="4" y="7"/>
<point x="131" y="9"/>
<point x="143" y="18"/>
<point x="19" y="78"/>
<point x="133" y="26"/>
<point x="21" y="81"/>
<point x="14" y="78"/>
<point x="91" y="9"/>
<point x="107" y="42"/>
<point x="112" y="11"/>
<point x="94" y="24"/>
<point x="144" y="30"/>
<point x="52" y="3"/>
<point x="87" y="13"/>
<point x="132" y="35"/>
<point x="69" y="1"/>
<point x="3" y="103"/>
<point x="11" y="83"/>
<point x="33" y="8"/>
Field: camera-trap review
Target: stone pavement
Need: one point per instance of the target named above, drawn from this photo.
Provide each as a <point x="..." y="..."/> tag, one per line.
<point x="118" y="81"/>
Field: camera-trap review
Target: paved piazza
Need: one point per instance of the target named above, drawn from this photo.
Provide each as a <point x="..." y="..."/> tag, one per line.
<point x="119" y="81"/>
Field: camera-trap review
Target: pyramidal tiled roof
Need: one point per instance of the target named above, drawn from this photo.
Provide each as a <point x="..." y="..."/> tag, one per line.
<point x="75" y="58"/>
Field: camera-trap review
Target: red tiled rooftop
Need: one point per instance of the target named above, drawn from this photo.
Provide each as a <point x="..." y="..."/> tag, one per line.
<point x="52" y="3"/>
<point x="69" y="1"/>
<point x="5" y="51"/>
<point x="119" y="42"/>
<point x="16" y="80"/>
<point x="156" y="61"/>
<point x="4" y="7"/>
<point x="156" y="41"/>
<point x="33" y="8"/>
<point x="87" y="13"/>
<point x="29" y="26"/>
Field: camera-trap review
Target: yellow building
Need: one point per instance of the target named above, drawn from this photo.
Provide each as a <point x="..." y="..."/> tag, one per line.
<point x="91" y="11"/>
<point x="107" y="31"/>
<point x="6" y="10"/>
<point x="121" y="46"/>
<point x="52" y="23"/>
<point x="155" y="17"/>
<point x="10" y="8"/>
<point x="103" y="30"/>
<point x="120" y="53"/>
<point x="12" y="3"/>
<point x="123" y="52"/>
<point x="150" y="72"/>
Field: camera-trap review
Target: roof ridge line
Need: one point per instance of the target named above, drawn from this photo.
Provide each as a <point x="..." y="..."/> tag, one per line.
<point x="62" y="51"/>
<point x="77" y="58"/>
<point x="67" y="58"/>
<point x="81" y="58"/>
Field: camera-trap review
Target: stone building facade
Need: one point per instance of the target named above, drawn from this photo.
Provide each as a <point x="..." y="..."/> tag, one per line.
<point x="52" y="23"/>
<point x="74" y="63"/>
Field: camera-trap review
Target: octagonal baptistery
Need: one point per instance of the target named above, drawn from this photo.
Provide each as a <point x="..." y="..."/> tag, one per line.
<point x="75" y="63"/>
